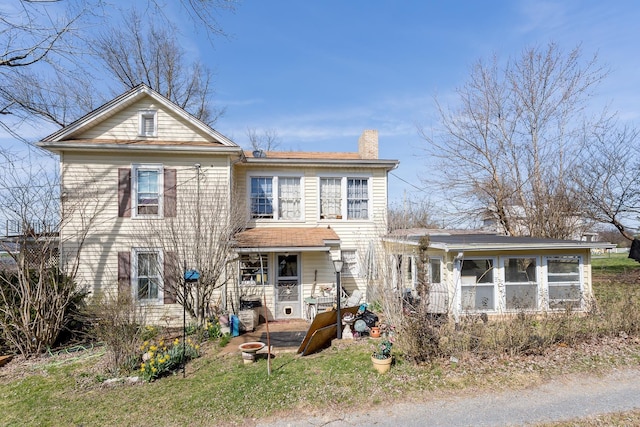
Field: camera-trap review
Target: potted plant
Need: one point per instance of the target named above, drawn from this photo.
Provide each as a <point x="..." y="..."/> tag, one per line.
<point x="381" y="357"/>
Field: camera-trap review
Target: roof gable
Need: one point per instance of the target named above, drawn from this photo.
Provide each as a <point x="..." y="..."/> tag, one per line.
<point x="117" y="121"/>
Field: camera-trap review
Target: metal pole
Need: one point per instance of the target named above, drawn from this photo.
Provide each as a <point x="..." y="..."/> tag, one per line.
<point x="184" y="317"/>
<point x="338" y="298"/>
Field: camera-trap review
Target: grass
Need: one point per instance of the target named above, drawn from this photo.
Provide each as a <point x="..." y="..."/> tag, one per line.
<point x="221" y="390"/>
<point x="613" y="264"/>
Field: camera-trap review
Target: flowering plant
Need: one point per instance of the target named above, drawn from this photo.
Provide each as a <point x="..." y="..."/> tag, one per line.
<point x="161" y="358"/>
<point x="383" y="349"/>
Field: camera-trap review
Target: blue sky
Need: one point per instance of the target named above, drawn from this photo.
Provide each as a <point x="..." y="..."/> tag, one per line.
<point x="320" y="72"/>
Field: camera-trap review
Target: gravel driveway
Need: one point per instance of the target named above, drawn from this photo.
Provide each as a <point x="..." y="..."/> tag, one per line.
<point x="570" y="397"/>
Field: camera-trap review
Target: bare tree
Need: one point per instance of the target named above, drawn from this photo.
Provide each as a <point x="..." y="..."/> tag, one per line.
<point x="134" y="54"/>
<point x="411" y="214"/>
<point x="269" y="140"/>
<point x="608" y="179"/>
<point x="199" y="237"/>
<point x="510" y="145"/>
<point x="47" y="74"/>
<point x="37" y="37"/>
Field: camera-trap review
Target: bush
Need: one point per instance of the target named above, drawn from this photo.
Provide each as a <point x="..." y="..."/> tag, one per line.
<point x="36" y="306"/>
<point x="118" y="322"/>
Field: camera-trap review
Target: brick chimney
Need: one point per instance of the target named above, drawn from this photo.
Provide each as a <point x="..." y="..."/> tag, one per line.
<point x="368" y="144"/>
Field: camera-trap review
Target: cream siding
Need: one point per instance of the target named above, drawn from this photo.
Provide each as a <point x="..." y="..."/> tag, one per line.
<point x="124" y="125"/>
<point x="90" y="191"/>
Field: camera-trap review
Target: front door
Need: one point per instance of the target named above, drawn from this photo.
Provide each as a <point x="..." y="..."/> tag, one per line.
<point x="288" y="287"/>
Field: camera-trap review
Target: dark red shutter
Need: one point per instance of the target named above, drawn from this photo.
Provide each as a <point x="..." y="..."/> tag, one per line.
<point x="170" y="193"/>
<point x="170" y="277"/>
<point x="124" y="192"/>
<point x="124" y="273"/>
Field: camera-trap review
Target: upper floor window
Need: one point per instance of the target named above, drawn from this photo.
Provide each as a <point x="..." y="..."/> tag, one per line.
<point x="289" y="197"/>
<point x="261" y="197"/>
<point x="358" y="198"/>
<point x="276" y="197"/>
<point x="331" y="198"/>
<point x="148" y="123"/>
<point x="340" y="196"/>
<point x="148" y="180"/>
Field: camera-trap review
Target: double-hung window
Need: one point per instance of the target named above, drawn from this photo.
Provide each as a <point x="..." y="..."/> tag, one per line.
<point x="147" y="275"/>
<point x="289" y="198"/>
<point x="357" y="198"/>
<point x="478" y="284"/>
<point x="521" y="283"/>
<point x="344" y="197"/>
<point x="147" y="123"/>
<point x="276" y="197"/>
<point x="563" y="279"/>
<point x="331" y="198"/>
<point x="261" y="197"/>
<point x="148" y="182"/>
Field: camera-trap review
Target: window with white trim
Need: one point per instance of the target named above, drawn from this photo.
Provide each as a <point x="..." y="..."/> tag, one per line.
<point x="289" y="198"/>
<point x="148" y="123"/>
<point x="331" y="198"/>
<point x="564" y="281"/>
<point x="261" y="197"/>
<point x="435" y="270"/>
<point x="478" y="284"/>
<point x="521" y="283"/>
<point x="254" y="270"/>
<point x="148" y="182"/>
<point x="147" y="275"/>
<point x="351" y="265"/>
<point x="358" y="198"/>
<point x="344" y="197"/>
<point x="276" y="197"/>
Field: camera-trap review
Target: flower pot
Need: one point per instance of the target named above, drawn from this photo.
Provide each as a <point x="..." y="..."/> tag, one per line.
<point x="374" y="332"/>
<point x="381" y="365"/>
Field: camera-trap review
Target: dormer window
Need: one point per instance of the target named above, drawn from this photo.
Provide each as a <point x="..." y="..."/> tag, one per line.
<point x="148" y="122"/>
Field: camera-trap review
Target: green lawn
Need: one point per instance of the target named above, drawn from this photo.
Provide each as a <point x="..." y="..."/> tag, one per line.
<point x="613" y="263"/>
<point x="221" y="390"/>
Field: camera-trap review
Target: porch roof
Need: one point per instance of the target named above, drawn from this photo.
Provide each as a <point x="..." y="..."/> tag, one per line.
<point x="457" y="241"/>
<point x="278" y="239"/>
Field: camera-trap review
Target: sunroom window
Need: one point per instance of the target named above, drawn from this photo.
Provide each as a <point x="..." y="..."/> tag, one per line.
<point x="521" y="283"/>
<point x="563" y="277"/>
<point x="478" y="284"/>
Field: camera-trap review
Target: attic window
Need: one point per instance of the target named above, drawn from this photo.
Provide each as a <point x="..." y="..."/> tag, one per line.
<point x="148" y="123"/>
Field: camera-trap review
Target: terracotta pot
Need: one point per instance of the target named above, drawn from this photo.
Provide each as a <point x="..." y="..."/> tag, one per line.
<point x="381" y="365"/>
<point x="375" y="332"/>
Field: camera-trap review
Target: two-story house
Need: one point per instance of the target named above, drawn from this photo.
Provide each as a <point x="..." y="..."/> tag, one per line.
<point x="149" y="191"/>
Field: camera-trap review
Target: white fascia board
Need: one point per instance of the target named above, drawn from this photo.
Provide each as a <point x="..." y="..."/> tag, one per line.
<point x="58" y="147"/>
<point x="386" y="164"/>
<point x="283" y="249"/>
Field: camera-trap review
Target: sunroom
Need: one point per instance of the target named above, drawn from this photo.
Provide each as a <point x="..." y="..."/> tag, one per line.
<point x="493" y="274"/>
